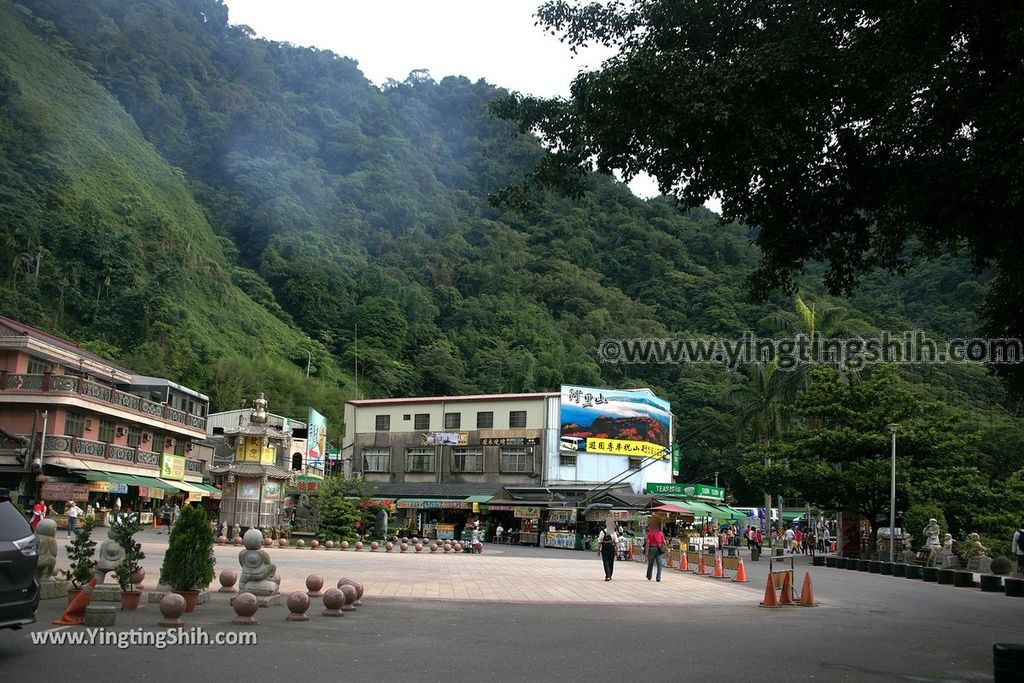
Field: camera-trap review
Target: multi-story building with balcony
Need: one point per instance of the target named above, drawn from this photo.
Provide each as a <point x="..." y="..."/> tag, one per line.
<point x="79" y="427"/>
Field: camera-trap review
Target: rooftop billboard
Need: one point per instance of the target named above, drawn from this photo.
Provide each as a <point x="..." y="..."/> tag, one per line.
<point x="615" y="421"/>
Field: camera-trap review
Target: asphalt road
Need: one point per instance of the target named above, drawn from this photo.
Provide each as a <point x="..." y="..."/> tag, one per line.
<point x="868" y="628"/>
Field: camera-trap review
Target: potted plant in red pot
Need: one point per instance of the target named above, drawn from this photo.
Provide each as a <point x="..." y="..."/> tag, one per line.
<point x="188" y="564"/>
<point x="80" y="553"/>
<point x="124" y="533"/>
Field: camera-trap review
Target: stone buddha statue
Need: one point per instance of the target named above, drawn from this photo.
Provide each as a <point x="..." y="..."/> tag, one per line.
<point x="931" y="535"/>
<point x="46" y="537"/>
<point x="257" y="570"/>
<point x="109" y="556"/>
<point x="977" y="550"/>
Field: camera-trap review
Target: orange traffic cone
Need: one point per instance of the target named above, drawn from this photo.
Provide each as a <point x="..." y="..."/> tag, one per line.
<point x="668" y="562"/>
<point x="684" y="564"/>
<point x="701" y="569"/>
<point x="718" y="573"/>
<point x="741" y="573"/>
<point x="74" y="615"/>
<point x="769" y="594"/>
<point x="807" y="593"/>
<point x="786" y="596"/>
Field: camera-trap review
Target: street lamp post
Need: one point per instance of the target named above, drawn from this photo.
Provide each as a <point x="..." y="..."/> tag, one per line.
<point x="892" y="497"/>
<point x="309" y="360"/>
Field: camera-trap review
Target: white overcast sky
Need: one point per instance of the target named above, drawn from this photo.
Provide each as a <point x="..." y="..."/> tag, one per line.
<point x="491" y="39"/>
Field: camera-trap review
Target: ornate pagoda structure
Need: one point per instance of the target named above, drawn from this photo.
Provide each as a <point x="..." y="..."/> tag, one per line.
<point x="252" y="485"/>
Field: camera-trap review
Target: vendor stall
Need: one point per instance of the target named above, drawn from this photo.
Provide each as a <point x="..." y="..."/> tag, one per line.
<point x="561" y="529"/>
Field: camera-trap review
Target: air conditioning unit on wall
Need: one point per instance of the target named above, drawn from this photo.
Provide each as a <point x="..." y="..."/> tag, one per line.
<point x="122" y="431"/>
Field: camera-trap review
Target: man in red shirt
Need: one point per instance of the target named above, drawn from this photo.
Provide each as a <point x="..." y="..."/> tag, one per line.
<point x="656" y="549"/>
<point x="38" y="513"/>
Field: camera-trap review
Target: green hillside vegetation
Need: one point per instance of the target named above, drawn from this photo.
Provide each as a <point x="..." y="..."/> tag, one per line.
<point x="210" y="206"/>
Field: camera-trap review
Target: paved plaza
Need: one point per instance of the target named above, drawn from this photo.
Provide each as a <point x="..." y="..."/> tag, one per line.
<point x="535" y="614"/>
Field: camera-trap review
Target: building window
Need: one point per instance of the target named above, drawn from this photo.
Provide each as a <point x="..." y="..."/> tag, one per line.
<point x="634" y="463"/>
<point x="74" y="424"/>
<point x="382" y="423"/>
<point x="467" y="460"/>
<point x="422" y="421"/>
<point x="376" y="460"/>
<point x="405" y="417"/>
<point x="134" y="437"/>
<point x="106" y="431"/>
<point x="37" y="366"/>
<point x="485" y="419"/>
<point x="179" y="446"/>
<point x="516" y="460"/>
<point x="516" y="419"/>
<point x="567" y="460"/>
<point x="452" y="420"/>
<point x="419" y="460"/>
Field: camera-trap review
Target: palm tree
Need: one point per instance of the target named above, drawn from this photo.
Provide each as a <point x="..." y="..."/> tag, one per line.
<point x="823" y="324"/>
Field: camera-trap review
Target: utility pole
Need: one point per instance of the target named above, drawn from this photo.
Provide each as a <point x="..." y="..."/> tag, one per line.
<point x="892" y="497"/>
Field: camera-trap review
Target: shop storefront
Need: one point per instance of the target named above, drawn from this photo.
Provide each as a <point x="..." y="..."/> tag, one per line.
<point x="527" y="518"/>
<point x="560" y="524"/>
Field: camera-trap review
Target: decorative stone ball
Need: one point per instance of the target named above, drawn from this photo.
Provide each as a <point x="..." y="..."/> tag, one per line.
<point x="245" y="606"/>
<point x="344" y="545"/>
<point x="415" y="540"/>
<point x="329" y="545"/>
<point x="1001" y="566"/>
<point x="351" y="595"/>
<point x="334" y="600"/>
<point x="359" y="545"/>
<point x="282" y="543"/>
<point x="138" y="577"/>
<point x="314" y="582"/>
<point x="458" y="547"/>
<point x="314" y="544"/>
<point x="221" y="540"/>
<point x="389" y="546"/>
<point x="267" y="541"/>
<point x="374" y="545"/>
<point x="419" y="547"/>
<point x="172" y="606"/>
<point x="433" y="547"/>
<point x="405" y="539"/>
<point x="237" y="540"/>
<point x="228" y="579"/>
<point x="298" y="603"/>
<point x="404" y="546"/>
<point x="300" y="543"/>
<point x="358" y="585"/>
<point x="447" y="547"/>
<point x="345" y="580"/>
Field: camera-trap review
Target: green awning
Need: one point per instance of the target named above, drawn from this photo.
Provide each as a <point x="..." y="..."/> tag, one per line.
<point x="96" y="475"/>
<point x="730" y="514"/>
<point x="153" y="483"/>
<point x="699" y="509"/>
<point x="788" y="516"/>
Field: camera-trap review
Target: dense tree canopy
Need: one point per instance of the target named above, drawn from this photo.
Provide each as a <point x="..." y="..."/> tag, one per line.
<point x="855" y="134"/>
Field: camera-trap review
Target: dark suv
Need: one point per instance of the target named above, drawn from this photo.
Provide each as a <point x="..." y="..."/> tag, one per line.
<point x="19" y="590"/>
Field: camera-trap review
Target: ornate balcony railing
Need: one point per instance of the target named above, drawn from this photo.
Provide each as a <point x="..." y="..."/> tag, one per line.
<point x="99" y="393"/>
<point x="98" y="450"/>
<point x="194" y="466"/>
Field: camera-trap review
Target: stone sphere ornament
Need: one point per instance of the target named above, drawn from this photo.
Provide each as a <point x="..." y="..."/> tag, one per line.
<point x="314" y="544"/>
<point x="298" y="603"/>
<point x="433" y="547"/>
<point x="345" y="581"/>
<point x="344" y="545"/>
<point x="237" y="540"/>
<point x="374" y="546"/>
<point x="314" y="582"/>
<point x="329" y="545"/>
<point x="245" y="606"/>
<point x="359" y="545"/>
<point x="351" y="595"/>
<point x="268" y="542"/>
<point x="415" y="540"/>
<point x="359" y="592"/>
<point x="404" y="546"/>
<point x="172" y="606"/>
<point x="300" y="543"/>
<point x="228" y="579"/>
<point x="419" y="547"/>
<point x="389" y="546"/>
<point x="282" y="543"/>
<point x="334" y="600"/>
<point x="221" y="540"/>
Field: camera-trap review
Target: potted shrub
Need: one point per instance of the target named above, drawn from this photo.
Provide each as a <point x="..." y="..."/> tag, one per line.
<point x="124" y="533"/>
<point x="80" y="552"/>
<point x="188" y="564"/>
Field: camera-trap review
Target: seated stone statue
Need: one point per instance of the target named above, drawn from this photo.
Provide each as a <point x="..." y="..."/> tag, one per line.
<point x="257" y="570"/>
<point x="109" y="556"/>
<point x="46" y="532"/>
<point x="977" y="550"/>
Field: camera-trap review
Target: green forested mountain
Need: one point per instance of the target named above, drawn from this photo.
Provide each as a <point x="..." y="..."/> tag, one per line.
<point x="212" y="207"/>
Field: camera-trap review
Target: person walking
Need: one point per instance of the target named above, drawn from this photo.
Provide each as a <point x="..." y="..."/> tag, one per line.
<point x="607" y="542"/>
<point x="825" y="538"/>
<point x="1018" y="548"/>
<point x="655" y="540"/>
<point x="72" y="512"/>
<point x="498" y="532"/>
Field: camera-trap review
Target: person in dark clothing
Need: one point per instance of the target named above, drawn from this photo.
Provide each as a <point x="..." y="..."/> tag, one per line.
<point x="607" y="542"/>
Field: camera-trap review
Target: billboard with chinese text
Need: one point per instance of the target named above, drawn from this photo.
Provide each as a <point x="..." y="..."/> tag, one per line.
<point x="316" y="441"/>
<point x="615" y="421"/>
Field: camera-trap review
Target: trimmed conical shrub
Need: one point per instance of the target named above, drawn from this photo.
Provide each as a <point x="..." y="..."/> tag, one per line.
<point x="188" y="564"/>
